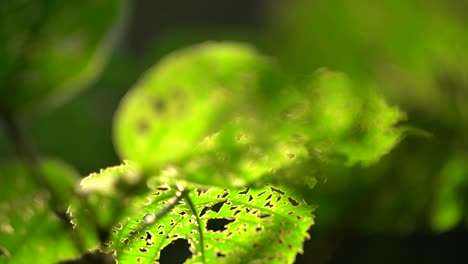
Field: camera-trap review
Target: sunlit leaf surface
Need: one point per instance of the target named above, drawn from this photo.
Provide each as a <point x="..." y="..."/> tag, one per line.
<point x="266" y="225"/>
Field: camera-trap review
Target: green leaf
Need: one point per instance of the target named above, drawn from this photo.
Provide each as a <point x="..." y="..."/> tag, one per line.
<point x="351" y="119"/>
<point x="449" y="204"/>
<point x="51" y="49"/>
<point x="28" y="227"/>
<point x="221" y="114"/>
<point x="266" y="225"/>
<point x="111" y="188"/>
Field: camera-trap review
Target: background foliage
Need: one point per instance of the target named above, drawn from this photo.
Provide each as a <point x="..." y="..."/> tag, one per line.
<point x="413" y="200"/>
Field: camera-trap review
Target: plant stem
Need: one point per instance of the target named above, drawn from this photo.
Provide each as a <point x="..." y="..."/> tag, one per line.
<point x="200" y="231"/>
<point x="31" y="160"/>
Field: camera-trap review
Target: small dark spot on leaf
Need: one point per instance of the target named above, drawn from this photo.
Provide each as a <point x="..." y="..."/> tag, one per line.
<point x="291" y="155"/>
<point x="250" y="198"/>
<point x="139" y="259"/>
<point x="218" y="224"/>
<point x="233" y="207"/>
<point x="225" y="194"/>
<point x="258" y="228"/>
<point x="245" y="191"/>
<point x="298" y="217"/>
<point x="183" y="213"/>
<point x="264" y="215"/>
<point x="269" y="197"/>
<point x="163" y="188"/>
<point x="159" y="106"/>
<point x="236" y="212"/>
<point x="220" y="255"/>
<point x="160" y="226"/>
<point x="143" y="126"/>
<point x="115" y="231"/>
<point x="276" y="190"/>
<point x="178" y="251"/>
<point x="256" y="245"/>
<point x="118" y="226"/>
<point x="144" y="250"/>
<point x="290" y="212"/>
<point x="269" y="204"/>
<point x="292" y="201"/>
<point x="262" y="193"/>
<point x="161" y="232"/>
<point x="133" y="233"/>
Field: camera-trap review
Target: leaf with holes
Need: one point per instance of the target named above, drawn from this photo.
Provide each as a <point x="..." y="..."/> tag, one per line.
<point x="266" y="225"/>
<point x="50" y="48"/>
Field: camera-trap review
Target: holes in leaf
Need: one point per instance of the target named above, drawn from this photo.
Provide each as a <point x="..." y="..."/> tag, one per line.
<point x="245" y="191"/>
<point x="262" y="193"/>
<point x="148" y="235"/>
<point x="218" y="224"/>
<point x="177" y="252"/>
<point x="201" y="191"/>
<point x="293" y="202"/>
<point x="276" y="190"/>
<point x="220" y="255"/>
<point x="215" y="208"/>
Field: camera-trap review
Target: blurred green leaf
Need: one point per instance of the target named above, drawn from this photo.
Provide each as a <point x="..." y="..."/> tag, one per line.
<point x="50" y="49"/>
<point x="449" y="202"/>
<point x="220" y="114"/>
<point x="29" y="231"/>
<point x="111" y="188"/>
<point x="266" y="225"/>
<point x="414" y="50"/>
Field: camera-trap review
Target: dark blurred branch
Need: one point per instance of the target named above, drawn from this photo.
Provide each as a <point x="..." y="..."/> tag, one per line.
<point x="31" y="160"/>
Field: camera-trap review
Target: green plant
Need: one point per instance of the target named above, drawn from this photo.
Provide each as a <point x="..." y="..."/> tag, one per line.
<point x="223" y="148"/>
